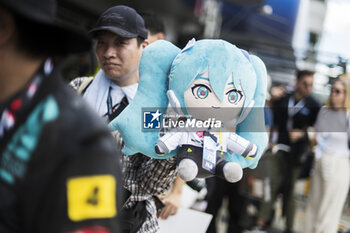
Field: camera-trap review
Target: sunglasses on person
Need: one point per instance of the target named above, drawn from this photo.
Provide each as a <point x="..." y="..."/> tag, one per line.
<point x="336" y="91"/>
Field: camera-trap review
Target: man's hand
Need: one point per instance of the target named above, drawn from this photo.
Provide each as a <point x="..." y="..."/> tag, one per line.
<point x="173" y="200"/>
<point x="296" y="134"/>
<point x="172" y="203"/>
<point x="277" y="92"/>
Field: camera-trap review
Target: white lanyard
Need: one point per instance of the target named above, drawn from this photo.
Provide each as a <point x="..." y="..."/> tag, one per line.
<point x="293" y="110"/>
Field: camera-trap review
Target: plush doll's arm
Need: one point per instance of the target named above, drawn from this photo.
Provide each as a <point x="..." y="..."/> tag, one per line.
<point x="169" y="142"/>
<point x="241" y="146"/>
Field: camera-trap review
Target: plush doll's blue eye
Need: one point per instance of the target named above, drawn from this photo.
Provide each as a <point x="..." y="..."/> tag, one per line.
<point x="202" y="92"/>
<point x="234" y="96"/>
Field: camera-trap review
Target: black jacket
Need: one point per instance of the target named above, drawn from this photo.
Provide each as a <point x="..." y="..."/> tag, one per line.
<point x="305" y="117"/>
<point x="70" y="176"/>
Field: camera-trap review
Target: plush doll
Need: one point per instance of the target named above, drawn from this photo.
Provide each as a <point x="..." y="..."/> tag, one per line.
<point x="207" y="80"/>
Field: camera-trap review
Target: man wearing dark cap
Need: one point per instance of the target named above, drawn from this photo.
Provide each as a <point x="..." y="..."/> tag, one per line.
<point x="120" y="36"/>
<point x="59" y="169"/>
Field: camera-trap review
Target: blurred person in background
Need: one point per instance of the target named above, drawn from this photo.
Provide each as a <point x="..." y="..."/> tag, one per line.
<point x="331" y="175"/>
<point x="154" y="25"/>
<point x="236" y="193"/>
<point x="59" y="170"/>
<point x="293" y="114"/>
<point x="218" y="189"/>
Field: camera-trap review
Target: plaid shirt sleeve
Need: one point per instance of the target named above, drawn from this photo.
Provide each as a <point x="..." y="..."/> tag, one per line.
<point x="146" y="177"/>
<point x="76" y="83"/>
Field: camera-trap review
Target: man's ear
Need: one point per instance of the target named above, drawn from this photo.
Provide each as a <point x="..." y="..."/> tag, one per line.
<point x="145" y="43"/>
<point x="7" y="26"/>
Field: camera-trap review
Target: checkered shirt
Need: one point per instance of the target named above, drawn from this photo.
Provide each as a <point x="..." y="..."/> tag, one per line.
<point x="76" y="83"/>
<point x="146" y="177"/>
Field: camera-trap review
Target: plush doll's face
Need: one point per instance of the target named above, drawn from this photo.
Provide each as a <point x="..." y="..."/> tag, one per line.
<point x="202" y="103"/>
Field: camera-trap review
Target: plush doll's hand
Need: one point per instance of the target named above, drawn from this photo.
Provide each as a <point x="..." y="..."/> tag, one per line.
<point x="161" y="148"/>
<point x="241" y="146"/>
<point x="174" y="102"/>
<point x="168" y="142"/>
<point x="252" y="153"/>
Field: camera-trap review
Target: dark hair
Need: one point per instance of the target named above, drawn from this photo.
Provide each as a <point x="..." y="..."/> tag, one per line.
<point x="303" y="73"/>
<point x="139" y="41"/>
<point x="153" y="23"/>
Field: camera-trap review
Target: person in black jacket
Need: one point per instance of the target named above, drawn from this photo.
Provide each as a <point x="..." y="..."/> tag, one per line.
<point x="59" y="169"/>
<point x="293" y="114"/>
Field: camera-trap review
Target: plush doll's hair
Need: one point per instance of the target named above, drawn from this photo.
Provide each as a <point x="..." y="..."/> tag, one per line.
<point x="253" y="126"/>
<point x="154" y="69"/>
<point x="221" y="59"/>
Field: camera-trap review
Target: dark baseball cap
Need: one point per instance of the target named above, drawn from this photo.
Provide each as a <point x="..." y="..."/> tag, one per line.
<point x="121" y="20"/>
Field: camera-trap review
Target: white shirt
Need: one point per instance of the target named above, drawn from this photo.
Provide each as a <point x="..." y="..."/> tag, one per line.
<point x="331" y="135"/>
<point x="118" y="93"/>
<point x="97" y="93"/>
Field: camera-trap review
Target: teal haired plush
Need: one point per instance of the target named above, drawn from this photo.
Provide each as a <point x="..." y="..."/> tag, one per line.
<point x="154" y="69"/>
<point x="207" y="80"/>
